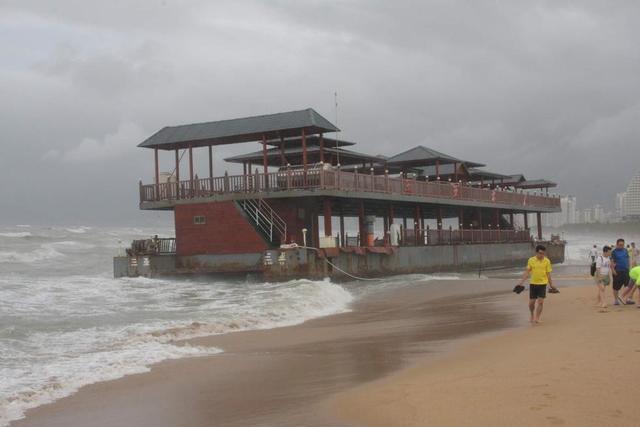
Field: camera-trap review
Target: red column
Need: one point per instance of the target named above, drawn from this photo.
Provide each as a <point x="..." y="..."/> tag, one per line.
<point x="526" y="221"/>
<point x="157" y="172"/>
<point x="211" y="168"/>
<point x="177" y="174"/>
<point x="283" y="160"/>
<point x="511" y="219"/>
<point x="439" y="217"/>
<point x="304" y="150"/>
<point x="437" y="169"/>
<point x="539" y="220"/>
<point x="327" y="216"/>
<point x="264" y="155"/>
<point x="455" y="171"/>
<point x="416" y="224"/>
<point x="321" y="148"/>
<point x="342" y="239"/>
<point x="363" y="234"/>
<point x="191" y="169"/>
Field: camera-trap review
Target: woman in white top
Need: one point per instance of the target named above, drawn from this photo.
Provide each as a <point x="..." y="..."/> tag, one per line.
<point x="603" y="274"/>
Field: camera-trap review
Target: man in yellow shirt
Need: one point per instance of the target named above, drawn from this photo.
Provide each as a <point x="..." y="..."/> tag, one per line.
<point x="539" y="268"/>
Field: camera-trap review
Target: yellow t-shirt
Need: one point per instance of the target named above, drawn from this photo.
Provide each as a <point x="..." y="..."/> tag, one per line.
<point x="538" y="270"/>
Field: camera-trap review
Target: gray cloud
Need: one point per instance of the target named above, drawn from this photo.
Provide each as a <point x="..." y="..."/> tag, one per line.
<point x="549" y="89"/>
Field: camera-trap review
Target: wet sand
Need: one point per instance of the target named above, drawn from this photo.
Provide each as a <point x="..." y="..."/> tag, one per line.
<point x="580" y="367"/>
<point x="284" y="376"/>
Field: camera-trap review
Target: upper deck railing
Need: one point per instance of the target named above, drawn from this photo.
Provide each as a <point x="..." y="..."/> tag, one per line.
<point x="292" y="180"/>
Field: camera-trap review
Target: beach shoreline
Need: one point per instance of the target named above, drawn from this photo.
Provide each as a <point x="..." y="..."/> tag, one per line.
<point x="578" y="368"/>
<point x="281" y="376"/>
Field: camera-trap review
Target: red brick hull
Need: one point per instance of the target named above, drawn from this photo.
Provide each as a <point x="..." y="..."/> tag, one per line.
<point x="225" y="231"/>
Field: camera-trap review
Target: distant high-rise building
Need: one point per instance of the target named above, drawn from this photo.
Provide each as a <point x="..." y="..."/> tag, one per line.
<point x="598" y="213"/>
<point x="571" y="210"/>
<point x="620" y="204"/>
<point x="632" y="199"/>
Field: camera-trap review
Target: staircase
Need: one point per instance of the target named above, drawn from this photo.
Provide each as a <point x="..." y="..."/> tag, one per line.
<point x="265" y="220"/>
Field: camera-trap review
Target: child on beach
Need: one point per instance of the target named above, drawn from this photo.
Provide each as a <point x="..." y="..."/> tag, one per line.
<point x="539" y="268"/>
<point x="602" y="276"/>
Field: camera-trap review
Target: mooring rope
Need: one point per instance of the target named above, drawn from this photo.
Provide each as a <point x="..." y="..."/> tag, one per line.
<point x="338" y="268"/>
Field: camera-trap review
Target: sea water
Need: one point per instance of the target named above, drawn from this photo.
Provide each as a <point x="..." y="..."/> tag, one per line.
<point x="66" y="322"/>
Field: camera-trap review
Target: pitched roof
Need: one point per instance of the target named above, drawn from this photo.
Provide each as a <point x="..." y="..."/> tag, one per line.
<point x="536" y="183"/>
<point x="424" y="156"/>
<point x="476" y="173"/>
<point x="294" y="156"/>
<point x="310" y="140"/>
<point x="245" y="129"/>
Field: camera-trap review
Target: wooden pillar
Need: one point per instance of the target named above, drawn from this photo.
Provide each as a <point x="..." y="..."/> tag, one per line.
<point x="177" y="174"/>
<point x="526" y="221"/>
<point x="416" y="224"/>
<point x="461" y="218"/>
<point x="497" y="217"/>
<point x="304" y="150"/>
<point x="264" y="156"/>
<point x="326" y="213"/>
<point x="480" y="219"/>
<point x="244" y="168"/>
<point x="437" y="169"/>
<point x="283" y="160"/>
<point x="539" y="221"/>
<point x="511" y="220"/>
<point x="404" y="229"/>
<point x="439" y="217"/>
<point x="321" y="148"/>
<point x="391" y="214"/>
<point x="190" y="169"/>
<point x="455" y="171"/>
<point x="157" y="172"/>
<point x="211" y="168"/>
<point x="363" y="237"/>
<point x="343" y="241"/>
<point x="315" y="229"/>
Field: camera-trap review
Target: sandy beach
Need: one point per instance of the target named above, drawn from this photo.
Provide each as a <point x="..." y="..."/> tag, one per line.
<point x="451" y="353"/>
<point x="579" y="368"/>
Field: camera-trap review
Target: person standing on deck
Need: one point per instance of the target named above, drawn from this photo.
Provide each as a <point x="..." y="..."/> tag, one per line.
<point x="539" y="268"/>
<point x="593" y="254"/>
<point x="620" y="270"/>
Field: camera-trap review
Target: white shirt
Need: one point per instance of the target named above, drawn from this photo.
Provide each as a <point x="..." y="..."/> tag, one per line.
<point x="593" y="253"/>
<point x="604" y="265"/>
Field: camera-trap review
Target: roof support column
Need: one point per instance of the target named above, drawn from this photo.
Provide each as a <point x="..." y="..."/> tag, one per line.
<point x="438" y="169"/>
<point x="304" y="157"/>
<point x="321" y="148"/>
<point x="190" y="170"/>
<point x="264" y="160"/>
<point x="211" y="168"/>
<point x="283" y="160"/>
<point x="157" y="173"/>
<point x="539" y="221"/>
<point x="480" y="225"/>
<point x="526" y="221"/>
<point x="511" y="220"/>
<point x="327" y="216"/>
<point x="439" y="217"/>
<point x="361" y="227"/>
<point x="177" y="174"/>
<point x="416" y="225"/>
<point x="342" y="236"/>
<point x="455" y="171"/>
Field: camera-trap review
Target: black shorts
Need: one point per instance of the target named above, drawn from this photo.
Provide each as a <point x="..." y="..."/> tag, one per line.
<point x="593" y="269"/>
<point x="537" y="291"/>
<point x="620" y="279"/>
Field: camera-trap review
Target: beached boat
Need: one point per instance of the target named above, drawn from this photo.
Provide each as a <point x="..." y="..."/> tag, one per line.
<point x="417" y="211"/>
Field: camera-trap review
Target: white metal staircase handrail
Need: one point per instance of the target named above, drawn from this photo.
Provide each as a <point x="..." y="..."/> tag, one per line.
<point x="266" y="218"/>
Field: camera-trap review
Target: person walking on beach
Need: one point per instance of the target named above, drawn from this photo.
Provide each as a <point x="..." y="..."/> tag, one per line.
<point x="620" y="270"/>
<point x="539" y="268"/>
<point x="634" y="276"/>
<point x="602" y="277"/>
<point x="593" y="254"/>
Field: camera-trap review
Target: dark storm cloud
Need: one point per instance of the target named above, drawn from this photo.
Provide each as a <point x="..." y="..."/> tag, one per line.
<point x="549" y="89"/>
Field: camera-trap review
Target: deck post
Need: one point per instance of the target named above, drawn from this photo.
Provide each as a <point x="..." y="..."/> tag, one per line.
<point x="177" y="174"/>
<point x="421" y="227"/>
<point x="497" y="217"/>
<point x="511" y="220"/>
<point x="404" y="229"/>
<point x="439" y="217"/>
<point x="416" y="225"/>
<point x="327" y="216"/>
<point x="265" y="166"/>
<point x="190" y="170"/>
<point x="363" y="236"/>
<point x="304" y="155"/>
<point x="526" y="221"/>
<point x="211" y="169"/>
<point x="157" y="172"/>
<point x="480" y="223"/>
<point x="343" y="240"/>
<point x="455" y="171"/>
<point x="539" y="221"/>
<point x="283" y="160"/>
<point x="321" y="148"/>
<point x="437" y="169"/>
<point x="391" y="214"/>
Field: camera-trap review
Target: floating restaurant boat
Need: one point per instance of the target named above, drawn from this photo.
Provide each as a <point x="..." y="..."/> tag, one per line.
<point x="284" y="217"/>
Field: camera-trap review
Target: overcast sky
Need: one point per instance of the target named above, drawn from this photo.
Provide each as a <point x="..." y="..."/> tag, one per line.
<point x="547" y="89"/>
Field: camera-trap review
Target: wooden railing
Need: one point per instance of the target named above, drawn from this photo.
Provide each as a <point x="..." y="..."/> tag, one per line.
<point x="337" y="180"/>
